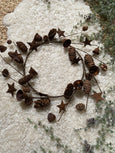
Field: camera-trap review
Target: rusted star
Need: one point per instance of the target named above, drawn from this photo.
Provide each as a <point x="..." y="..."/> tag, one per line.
<point x="97" y="96"/>
<point x="60" y="33"/>
<point x="11" y="89"/>
<point x="87" y="42"/>
<point x="13" y="54"/>
<point x="16" y="57"/>
<point x="62" y="106"/>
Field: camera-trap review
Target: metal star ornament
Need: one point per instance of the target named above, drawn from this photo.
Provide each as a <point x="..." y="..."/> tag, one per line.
<point x="11" y="89"/>
<point x="87" y="42"/>
<point x="62" y="106"/>
<point x="97" y="96"/>
<point x="60" y="33"/>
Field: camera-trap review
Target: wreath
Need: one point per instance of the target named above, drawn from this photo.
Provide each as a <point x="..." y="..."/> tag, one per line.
<point x="42" y="100"/>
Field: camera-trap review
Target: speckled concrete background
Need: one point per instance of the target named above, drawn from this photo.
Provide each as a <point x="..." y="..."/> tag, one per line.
<point x="6" y="6"/>
<point x="17" y="135"/>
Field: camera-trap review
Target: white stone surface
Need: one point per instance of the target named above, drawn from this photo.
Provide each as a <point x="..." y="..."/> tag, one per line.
<point x="55" y="72"/>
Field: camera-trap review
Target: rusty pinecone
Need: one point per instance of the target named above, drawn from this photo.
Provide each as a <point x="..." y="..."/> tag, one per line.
<point x="41" y="103"/>
<point x="87" y="86"/>
<point x="68" y="91"/>
<point x="93" y="69"/>
<point x="80" y="107"/>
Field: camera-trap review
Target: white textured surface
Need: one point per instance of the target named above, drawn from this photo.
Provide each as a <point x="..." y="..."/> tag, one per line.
<point x="55" y="71"/>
